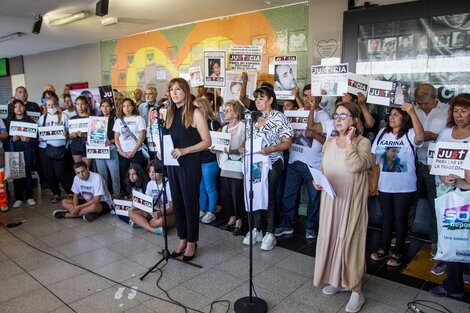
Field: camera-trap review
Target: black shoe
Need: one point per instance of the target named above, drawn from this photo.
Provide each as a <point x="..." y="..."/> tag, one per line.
<point x="228" y="227"/>
<point x="175" y="254"/>
<point x="90" y="217"/>
<point x="189" y="258"/>
<point x="237" y="231"/>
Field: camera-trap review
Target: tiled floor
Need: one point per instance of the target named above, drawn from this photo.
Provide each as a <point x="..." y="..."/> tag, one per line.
<point x="31" y="281"/>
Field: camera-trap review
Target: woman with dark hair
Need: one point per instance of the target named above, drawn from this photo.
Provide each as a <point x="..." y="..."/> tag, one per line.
<point x="129" y="135"/>
<point x="190" y="135"/>
<point x="78" y="139"/>
<point x="111" y="164"/>
<point x="341" y="242"/>
<point x="23" y="186"/>
<point x="397" y="188"/>
<point x="276" y="133"/>
<point x="136" y="179"/>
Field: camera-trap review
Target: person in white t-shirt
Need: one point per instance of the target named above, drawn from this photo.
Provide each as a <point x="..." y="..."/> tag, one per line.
<point x="397" y="142"/>
<point x="154" y="222"/>
<point x="129" y="135"/>
<point x="91" y="197"/>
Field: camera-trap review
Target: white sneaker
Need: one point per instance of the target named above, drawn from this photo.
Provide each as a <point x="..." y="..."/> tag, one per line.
<point x="268" y="242"/>
<point x="330" y="290"/>
<point x="355" y="303"/>
<point x="257" y="237"/>
<point x="208" y="218"/>
<point x="31" y="202"/>
<point x="17" y="204"/>
<point x="4" y="208"/>
<point x="201" y="214"/>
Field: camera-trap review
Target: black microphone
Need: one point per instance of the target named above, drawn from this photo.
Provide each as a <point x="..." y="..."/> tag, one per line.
<point x="255" y="114"/>
<point x="164" y="104"/>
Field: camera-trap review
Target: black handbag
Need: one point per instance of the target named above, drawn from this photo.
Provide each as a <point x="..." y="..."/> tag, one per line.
<point x="55" y="153"/>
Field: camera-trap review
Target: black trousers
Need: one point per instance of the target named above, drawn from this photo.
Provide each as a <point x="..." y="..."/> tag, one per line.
<point x="184" y="184"/>
<point x="57" y="171"/>
<point x="454" y="281"/>
<point x="232" y="197"/>
<point x="395" y="208"/>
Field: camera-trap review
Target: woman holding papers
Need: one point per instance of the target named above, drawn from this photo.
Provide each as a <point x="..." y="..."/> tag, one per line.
<point x="208" y="194"/>
<point x="78" y="139"/>
<point x="23" y="186"/>
<point x="52" y="152"/>
<point x="394" y="150"/>
<point x="341" y="239"/>
<point x="190" y="135"/>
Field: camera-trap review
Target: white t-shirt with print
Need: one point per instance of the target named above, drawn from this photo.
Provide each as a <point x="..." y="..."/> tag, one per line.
<point x="153" y="189"/>
<point x="261" y="167"/>
<point x="53" y="120"/>
<point x="466" y="163"/>
<point x="94" y="186"/>
<point x="396" y="159"/>
<point x="136" y="124"/>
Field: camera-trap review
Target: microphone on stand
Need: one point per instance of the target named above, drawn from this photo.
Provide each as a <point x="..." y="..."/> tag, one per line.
<point x="255" y="115"/>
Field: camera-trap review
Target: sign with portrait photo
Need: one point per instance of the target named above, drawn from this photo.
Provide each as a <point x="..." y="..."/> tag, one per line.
<point x="220" y="140"/>
<point x="94" y="96"/>
<point x="285" y="76"/>
<point x="142" y="201"/>
<point x="195" y="76"/>
<point x="381" y="92"/>
<point x="97" y="131"/>
<point x="214" y="69"/>
<point x="329" y="80"/>
<point x="122" y="207"/>
<point x="449" y="158"/>
<point x="245" y="58"/>
<point x="234" y="84"/>
<point x="4" y="111"/>
<point x="29" y="130"/>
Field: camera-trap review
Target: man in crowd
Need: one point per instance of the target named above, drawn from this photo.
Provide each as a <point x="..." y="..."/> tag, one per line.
<point x="91" y="197"/>
<point x="138" y="96"/>
<point x="21" y="93"/>
<point x="146" y="107"/>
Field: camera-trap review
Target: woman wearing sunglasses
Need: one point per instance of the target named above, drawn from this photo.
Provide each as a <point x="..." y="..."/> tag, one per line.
<point x="341" y="242"/>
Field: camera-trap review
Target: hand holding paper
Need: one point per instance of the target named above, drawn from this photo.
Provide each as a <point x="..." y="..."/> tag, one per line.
<point x="169" y="160"/>
<point x="321" y="181"/>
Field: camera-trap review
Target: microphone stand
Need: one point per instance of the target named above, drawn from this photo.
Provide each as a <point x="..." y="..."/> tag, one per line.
<point x="165" y="253"/>
<point x="251" y="304"/>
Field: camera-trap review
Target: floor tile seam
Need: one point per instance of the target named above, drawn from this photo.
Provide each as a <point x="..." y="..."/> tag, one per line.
<point x="61" y="304"/>
<point x="237" y="285"/>
<point x="75" y="300"/>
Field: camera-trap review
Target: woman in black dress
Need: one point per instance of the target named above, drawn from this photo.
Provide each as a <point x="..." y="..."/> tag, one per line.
<point x="190" y="134"/>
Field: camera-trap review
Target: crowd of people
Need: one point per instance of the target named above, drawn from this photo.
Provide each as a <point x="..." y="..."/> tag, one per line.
<point x="345" y="144"/>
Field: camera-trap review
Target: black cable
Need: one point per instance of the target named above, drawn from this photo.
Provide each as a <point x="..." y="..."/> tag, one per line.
<point x="417" y="306"/>
<point x="186" y="308"/>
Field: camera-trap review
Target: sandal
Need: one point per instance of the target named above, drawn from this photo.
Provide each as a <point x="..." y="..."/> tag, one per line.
<point x="378" y="255"/>
<point x="395" y="260"/>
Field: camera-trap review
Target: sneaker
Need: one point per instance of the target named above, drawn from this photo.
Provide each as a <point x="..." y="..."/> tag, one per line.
<point x="159" y="231"/>
<point x="201" y="214"/>
<point x="257" y="237"/>
<point x="134" y="225"/>
<point x="281" y="230"/>
<point x="439" y="269"/>
<point x="441" y="291"/>
<point x="208" y="218"/>
<point x="310" y="234"/>
<point x="355" y="303"/>
<point x="17" y="204"/>
<point x="59" y="213"/>
<point x="4" y="208"/>
<point x="90" y="217"/>
<point x="268" y="242"/>
<point x="330" y="290"/>
<point x="31" y="202"/>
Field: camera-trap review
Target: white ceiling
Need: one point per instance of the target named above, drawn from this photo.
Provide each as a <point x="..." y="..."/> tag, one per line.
<point x="135" y="16"/>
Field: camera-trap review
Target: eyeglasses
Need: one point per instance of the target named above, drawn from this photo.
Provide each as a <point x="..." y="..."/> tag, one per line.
<point x="228" y="111"/>
<point x="341" y="116"/>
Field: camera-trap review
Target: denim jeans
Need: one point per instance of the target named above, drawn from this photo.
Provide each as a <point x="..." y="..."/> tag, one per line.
<point x="297" y="173"/>
<point x="208" y="186"/>
<point x="112" y="164"/>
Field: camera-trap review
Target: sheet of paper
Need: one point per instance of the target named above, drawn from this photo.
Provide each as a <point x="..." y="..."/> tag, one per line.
<point x="167" y="158"/>
<point x="321" y="179"/>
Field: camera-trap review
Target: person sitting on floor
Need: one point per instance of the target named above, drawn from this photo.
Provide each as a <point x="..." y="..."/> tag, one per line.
<point x="154" y="222"/>
<point x="91" y="197"/>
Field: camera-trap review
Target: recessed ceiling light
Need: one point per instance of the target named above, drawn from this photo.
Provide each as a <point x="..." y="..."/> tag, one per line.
<point x="11" y="36"/>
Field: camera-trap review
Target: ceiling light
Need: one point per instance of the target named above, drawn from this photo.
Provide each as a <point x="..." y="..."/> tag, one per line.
<point x="70" y="18"/>
<point x="10" y="36"/>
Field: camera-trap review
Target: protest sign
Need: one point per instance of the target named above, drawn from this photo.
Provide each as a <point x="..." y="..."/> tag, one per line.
<point x="195" y="76"/>
<point x="449" y="158"/>
<point x="245" y="58"/>
<point x="285" y="76"/>
<point x="29" y="130"/>
<point x="153" y="138"/>
<point x="4" y="111"/>
<point x="357" y="83"/>
<point x="142" y="201"/>
<point x="97" y="131"/>
<point x="214" y="68"/>
<point x="431" y="151"/>
<point x="298" y="119"/>
<point x="331" y="80"/>
<point x="122" y="207"/>
<point x="33" y="115"/>
<point x="51" y="132"/>
<point x="78" y="125"/>
<point x="98" y="152"/>
<point x="234" y="85"/>
<point x="220" y="140"/>
<point x="381" y="92"/>
<point x="94" y="96"/>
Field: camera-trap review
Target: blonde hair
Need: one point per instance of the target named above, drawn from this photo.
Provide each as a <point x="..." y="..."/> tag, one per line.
<point x="205" y="106"/>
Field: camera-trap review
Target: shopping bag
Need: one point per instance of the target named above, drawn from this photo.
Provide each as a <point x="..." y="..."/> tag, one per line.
<point x="453" y="226"/>
<point x="14" y="165"/>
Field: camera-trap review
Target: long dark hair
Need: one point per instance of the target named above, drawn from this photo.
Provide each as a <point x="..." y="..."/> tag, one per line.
<point x="406" y="123"/>
<point x="142" y="178"/>
<point x="11" y="114"/>
<point x="268" y="92"/>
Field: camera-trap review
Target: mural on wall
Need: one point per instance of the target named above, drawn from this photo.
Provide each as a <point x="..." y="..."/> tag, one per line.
<point x="154" y="58"/>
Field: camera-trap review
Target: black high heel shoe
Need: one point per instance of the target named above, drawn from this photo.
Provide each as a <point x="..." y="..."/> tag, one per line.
<point x="175" y="254"/>
<point x="189" y="258"/>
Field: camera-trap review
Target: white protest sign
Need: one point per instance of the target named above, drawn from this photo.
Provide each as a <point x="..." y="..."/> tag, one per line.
<point x="298" y="119"/>
<point x="449" y="158"/>
<point x="214" y="68"/>
<point x="33" y="115"/>
<point x="29" y="130"/>
<point x="285" y="76"/>
<point x="329" y="80"/>
<point x="4" y="111"/>
<point x="142" y="201"/>
<point x="245" y="57"/>
<point x="195" y="76"/>
<point x="97" y="131"/>
<point x="234" y="84"/>
<point x="122" y="207"/>
<point x="78" y="125"/>
<point x="51" y="132"/>
<point x="431" y="151"/>
<point x="357" y="83"/>
<point x="98" y="152"/>
<point x="381" y="92"/>
<point x="220" y="140"/>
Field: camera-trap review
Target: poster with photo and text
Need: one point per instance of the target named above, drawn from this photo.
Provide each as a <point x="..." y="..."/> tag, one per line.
<point x="214" y="69"/>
